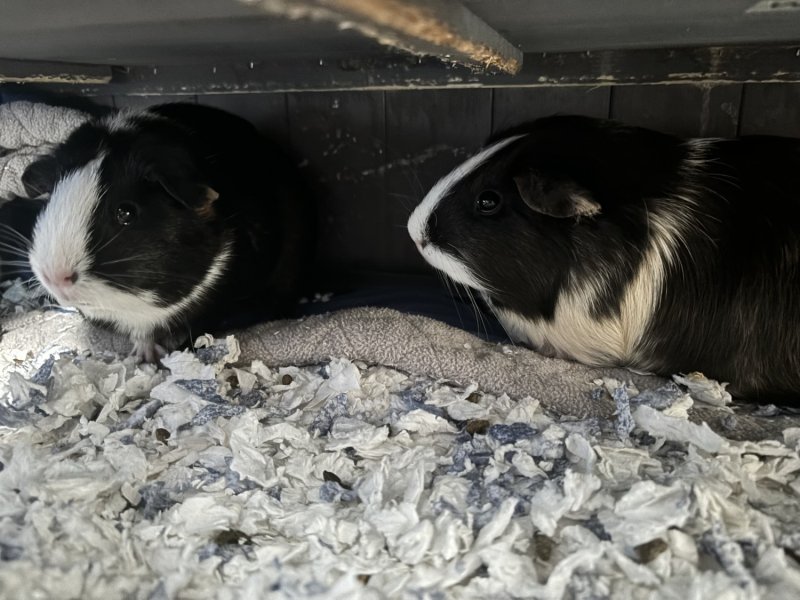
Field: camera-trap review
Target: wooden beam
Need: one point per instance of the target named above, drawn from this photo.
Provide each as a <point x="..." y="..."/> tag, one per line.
<point x="702" y="66"/>
<point x="27" y="71"/>
<point x="445" y="29"/>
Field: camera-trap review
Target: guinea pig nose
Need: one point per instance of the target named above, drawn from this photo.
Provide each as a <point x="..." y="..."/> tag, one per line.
<point x="66" y="278"/>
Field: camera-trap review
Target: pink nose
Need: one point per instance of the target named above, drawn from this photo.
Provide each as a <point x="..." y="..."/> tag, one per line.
<point x="61" y="280"/>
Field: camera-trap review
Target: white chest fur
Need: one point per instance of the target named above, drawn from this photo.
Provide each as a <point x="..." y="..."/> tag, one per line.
<point x="575" y="333"/>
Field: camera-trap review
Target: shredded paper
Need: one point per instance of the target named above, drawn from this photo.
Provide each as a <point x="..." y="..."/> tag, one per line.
<point x="345" y="480"/>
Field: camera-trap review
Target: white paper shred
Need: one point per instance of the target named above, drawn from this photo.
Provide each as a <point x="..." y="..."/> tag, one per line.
<point x="340" y="480"/>
<point x="705" y="390"/>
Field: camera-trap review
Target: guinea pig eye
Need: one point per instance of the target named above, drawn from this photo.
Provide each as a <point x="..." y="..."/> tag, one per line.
<point x="126" y="214"/>
<point x="488" y="202"/>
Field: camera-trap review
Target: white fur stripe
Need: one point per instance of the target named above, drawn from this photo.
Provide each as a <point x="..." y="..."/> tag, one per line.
<point x="139" y="315"/>
<point x="60" y="236"/>
<point x="418" y="222"/>
<point x="575" y="334"/>
<point x="452" y="267"/>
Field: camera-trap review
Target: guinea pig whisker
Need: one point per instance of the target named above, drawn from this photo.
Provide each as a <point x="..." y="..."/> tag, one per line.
<point x="4" y="228"/>
<point x="113" y="237"/>
<point x="16" y="263"/>
<point x="122" y="260"/>
<point x="420" y="188"/>
<point x="124" y="286"/>
<point x="148" y="274"/>
<point x="13" y="249"/>
<point x="406" y="200"/>
<point x="7" y="275"/>
<point x="478" y="313"/>
<point x="13" y="246"/>
<point x="446" y="281"/>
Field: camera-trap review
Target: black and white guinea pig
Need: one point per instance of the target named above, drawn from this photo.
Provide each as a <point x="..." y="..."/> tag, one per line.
<point x="615" y="245"/>
<point x="166" y="221"/>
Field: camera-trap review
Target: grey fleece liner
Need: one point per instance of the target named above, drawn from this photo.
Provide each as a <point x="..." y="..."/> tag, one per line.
<point x="414" y="344"/>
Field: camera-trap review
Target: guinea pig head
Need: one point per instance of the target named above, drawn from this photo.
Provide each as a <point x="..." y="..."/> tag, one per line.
<point x="132" y="236"/>
<point x="500" y="223"/>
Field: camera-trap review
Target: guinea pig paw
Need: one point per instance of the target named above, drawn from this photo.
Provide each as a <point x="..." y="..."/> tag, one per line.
<point x="148" y="351"/>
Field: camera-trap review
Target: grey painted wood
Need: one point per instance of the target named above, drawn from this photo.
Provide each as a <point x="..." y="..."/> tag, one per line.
<point x="145" y="101"/>
<point x="715" y="65"/>
<point x="268" y="112"/>
<point x="18" y="71"/>
<point x="771" y="109"/>
<point x="513" y="106"/>
<point x="566" y="25"/>
<point x="340" y="138"/>
<point x="145" y="32"/>
<point x="427" y="134"/>
<point x="442" y="28"/>
<point x="106" y="101"/>
<point x="153" y="32"/>
<point x="679" y="109"/>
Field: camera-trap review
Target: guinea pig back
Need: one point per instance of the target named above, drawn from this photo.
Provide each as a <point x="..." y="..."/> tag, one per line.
<point x="169" y="221"/>
<point x="616" y="245"/>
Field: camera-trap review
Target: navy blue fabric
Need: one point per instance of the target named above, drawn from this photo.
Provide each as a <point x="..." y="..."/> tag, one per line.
<point x="419" y="295"/>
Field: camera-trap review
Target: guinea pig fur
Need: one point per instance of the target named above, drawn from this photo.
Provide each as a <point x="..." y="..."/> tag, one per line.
<point x="615" y="245"/>
<point x="167" y="221"/>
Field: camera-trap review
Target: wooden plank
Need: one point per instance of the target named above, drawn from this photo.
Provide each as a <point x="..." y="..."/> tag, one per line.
<point x="734" y="64"/>
<point x="145" y="101"/>
<point x="513" y="106"/>
<point x="266" y="111"/>
<point x="340" y="138"/>
<point x="30" y="71"/>
<point x="771" y="110"/>
<point x="442" y="28"/>
<point x="426" y="136"/>
<point x="685" y="110"/>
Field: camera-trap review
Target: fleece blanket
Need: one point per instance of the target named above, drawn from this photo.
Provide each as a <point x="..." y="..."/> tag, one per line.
<point x="369" y="453"/>
<point x="28" y="130"/>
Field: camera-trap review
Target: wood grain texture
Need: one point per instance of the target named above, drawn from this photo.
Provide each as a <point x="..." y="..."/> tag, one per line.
<point x="426" y="136"/>
<point x="125" y="101"/>
<point x="715" y="65"/>
<point x="513" y="106"/>
<point x="268" y="112"/>
<point x="40" y="72"/>
<point x="445" y="29"/>
<point x="340" y="138"/>
<point x="772" y="109"/>
<point x="686" y="110"/>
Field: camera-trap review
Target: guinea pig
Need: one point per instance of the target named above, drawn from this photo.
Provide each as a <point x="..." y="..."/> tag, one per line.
<point x="168" y="221"/>
<point x="620" y="246"/>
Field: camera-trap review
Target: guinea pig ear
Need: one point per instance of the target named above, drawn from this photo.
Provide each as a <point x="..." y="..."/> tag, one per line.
<point x="559" y="199"/>
<point x="195" y="196"/>
<point x="41" y="176"/>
